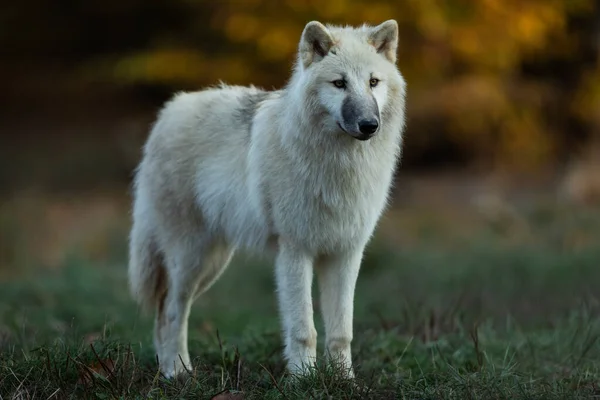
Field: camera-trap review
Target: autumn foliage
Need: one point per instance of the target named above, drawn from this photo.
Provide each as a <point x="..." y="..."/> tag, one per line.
<point x="512" y="83"/>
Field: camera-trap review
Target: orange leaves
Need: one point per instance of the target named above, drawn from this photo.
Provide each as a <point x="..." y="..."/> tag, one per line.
<point x="464" y="61"/>
<point x="101" y="369"/>
<point x="242" y="27"/>
<point x="536" y="24"/>
<point x="172" y="66"/>
<point x="433" y="23"/>
<point x="331" y="9"/>
<point x="277" y="43"/>
<point x="496" y="34"/>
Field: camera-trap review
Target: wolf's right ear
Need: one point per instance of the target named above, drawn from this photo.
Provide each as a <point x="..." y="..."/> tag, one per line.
<point x="384" y="38"/>
<point x="315" y="43"/>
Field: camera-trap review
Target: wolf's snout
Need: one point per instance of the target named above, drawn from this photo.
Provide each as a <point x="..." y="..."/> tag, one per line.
<point x="368" y="126"/>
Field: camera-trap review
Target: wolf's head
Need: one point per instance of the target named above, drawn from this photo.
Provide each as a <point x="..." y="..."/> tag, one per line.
<point x="349" y="75"/>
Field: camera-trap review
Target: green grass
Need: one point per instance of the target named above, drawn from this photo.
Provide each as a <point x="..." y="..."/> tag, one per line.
<point x="481" y="319"/>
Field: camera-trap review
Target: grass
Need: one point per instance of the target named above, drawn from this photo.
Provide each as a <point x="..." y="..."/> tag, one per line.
<point x="481" y="318"/>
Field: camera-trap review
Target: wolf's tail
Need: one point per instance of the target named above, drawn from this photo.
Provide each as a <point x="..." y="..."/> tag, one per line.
<point x="147" y="274"/>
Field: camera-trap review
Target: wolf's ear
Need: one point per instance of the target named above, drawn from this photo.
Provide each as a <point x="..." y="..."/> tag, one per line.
<point x="384" y="38"/>
<point x="315" y="43"/>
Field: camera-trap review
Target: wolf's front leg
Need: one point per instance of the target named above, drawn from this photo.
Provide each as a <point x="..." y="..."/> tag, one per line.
<point x="294" y="272"/>
<point x="337" y="280"/>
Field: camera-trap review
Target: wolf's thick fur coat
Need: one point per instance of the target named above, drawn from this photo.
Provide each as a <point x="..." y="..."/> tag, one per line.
<point x="300" y="171"/>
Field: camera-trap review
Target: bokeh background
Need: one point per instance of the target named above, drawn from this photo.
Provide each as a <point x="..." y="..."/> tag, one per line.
<point x="503" y="118"/>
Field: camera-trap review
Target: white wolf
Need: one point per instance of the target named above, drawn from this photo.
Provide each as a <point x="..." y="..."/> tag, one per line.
<point x="304" y="170"/>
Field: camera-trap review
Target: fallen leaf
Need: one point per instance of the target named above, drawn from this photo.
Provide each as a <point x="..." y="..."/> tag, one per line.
<point x="227" y="395"/>
<point x="99" y="369"/>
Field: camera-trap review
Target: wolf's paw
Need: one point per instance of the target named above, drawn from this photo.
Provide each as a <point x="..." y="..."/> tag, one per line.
<point x="176" y="369"/>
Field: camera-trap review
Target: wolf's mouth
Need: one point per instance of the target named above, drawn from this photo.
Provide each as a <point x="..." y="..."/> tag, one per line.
<point x="361" y="137"/>
<point x="341" y="127"/>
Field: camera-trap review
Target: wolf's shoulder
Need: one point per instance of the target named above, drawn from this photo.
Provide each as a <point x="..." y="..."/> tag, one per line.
<point x="245" y="99"/>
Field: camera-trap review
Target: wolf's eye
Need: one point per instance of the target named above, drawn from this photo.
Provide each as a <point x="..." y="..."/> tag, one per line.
<point x="373" y="82"/>
<point x="339" y="83"/>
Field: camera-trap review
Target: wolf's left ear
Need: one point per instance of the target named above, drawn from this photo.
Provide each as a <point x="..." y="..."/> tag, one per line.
<point x="315" y="43"/>
<point x="384" y="38"/>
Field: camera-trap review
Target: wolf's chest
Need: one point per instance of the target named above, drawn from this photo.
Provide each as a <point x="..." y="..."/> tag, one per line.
<point x="329" y="218"/>
<point x="328" y="202"/>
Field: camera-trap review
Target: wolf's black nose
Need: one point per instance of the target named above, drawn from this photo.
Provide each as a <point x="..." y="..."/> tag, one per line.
<point x="368" y="126"/>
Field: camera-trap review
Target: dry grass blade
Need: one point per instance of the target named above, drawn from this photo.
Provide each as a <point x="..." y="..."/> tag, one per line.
<point x="274" y="381"/>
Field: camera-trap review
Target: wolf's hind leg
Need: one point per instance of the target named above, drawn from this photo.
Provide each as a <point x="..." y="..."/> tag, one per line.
<point x="192" y="270"/>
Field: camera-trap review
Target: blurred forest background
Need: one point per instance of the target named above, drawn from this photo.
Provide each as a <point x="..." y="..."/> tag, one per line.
<point x="498" y="91"/>
<point x="496" y="211"/>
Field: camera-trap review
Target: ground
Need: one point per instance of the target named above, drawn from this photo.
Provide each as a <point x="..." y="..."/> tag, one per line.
<point x="482" y="301"/>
